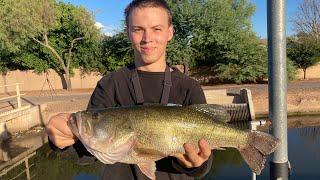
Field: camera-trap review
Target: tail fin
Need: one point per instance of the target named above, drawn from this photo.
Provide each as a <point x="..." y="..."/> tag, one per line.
<point x="259" y="146"/>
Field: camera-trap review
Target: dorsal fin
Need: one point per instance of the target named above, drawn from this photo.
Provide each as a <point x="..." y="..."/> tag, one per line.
<point x="217" y="112"/>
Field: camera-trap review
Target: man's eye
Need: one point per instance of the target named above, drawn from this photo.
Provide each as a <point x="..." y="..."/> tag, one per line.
<point x="136" y="30"/>
<point x="158" y="29"/>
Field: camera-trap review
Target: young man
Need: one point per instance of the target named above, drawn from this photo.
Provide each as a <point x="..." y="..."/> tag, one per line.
<point x="149" y="80"/>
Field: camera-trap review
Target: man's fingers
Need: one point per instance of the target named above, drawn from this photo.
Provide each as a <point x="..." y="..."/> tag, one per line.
<point x="205" y="150"/>
<point x="54" y="131"/>
<point x="59" y="132"/>
<point x="64" y="116"/>
<point x="183" y="161"/>
<point x="192" y="155"/>
<point x="61" y="142"/>
<point x="189" y="149"/>
<point x="59" y="122"/>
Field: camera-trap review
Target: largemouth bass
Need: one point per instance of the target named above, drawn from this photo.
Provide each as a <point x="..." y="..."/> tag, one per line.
<point x="144" y="134"/>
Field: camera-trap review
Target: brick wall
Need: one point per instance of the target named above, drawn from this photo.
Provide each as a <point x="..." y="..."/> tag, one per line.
<point x="32" y="81"/>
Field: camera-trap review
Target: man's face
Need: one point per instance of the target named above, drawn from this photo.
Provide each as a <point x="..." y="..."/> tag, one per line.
<point x="149" y="32"/>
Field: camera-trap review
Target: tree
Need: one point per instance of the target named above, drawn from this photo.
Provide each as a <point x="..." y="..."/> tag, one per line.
<point x="304" y="48"/>
<point x="179" y="52"/>
<point x="219" y="33"/>
<point x="60" y="30"/>
<point x="304" y="51"/>
<point x="307" y="18"/>
<point x="116" y="51"/>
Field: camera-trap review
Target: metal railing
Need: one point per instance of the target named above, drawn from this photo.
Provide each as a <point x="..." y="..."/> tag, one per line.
<point x="19" y="160"/>
<point x="9" y="163"/>
<point x="18" y="94"/>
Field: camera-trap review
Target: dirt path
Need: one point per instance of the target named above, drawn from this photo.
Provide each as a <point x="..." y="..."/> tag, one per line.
<point x="303" y="97"/>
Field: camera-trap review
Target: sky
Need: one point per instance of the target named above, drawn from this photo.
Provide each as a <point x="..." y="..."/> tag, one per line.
<point x="259" y="19"/>
<point x="109" y="14"/>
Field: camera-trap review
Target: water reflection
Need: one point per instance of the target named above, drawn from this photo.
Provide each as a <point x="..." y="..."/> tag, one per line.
<point x="312" y="139"/>
<point x="304" y="149"/>
<point x="49" y="165"/>
<point x="228" y="161"/>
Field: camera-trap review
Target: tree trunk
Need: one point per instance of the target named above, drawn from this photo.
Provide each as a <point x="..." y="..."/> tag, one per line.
<point x="4" y="80"/>
<point x="304" y="73"/>
<point x="63" y="80"/>
<point x="68" y="80"/>
<point x="186" y="68"/>
<point x="60" y="60"/>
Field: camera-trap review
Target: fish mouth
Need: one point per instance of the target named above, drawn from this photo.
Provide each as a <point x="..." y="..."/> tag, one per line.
<point x="84" y="123"/>
<point x="74" y="125"/>
<point x="80" y="127"/>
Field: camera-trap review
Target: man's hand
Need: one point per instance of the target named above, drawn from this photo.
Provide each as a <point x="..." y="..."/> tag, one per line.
<point x="59" y="132"/>
<point x="193" y="158"/>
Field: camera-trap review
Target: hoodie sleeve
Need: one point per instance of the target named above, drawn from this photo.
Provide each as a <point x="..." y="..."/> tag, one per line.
<point x="198" y="172"/>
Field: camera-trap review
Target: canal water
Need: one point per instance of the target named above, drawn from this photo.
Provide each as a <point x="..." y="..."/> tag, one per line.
<point x="304" y="156"/>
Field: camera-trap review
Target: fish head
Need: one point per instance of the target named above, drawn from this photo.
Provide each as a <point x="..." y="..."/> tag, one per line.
<point x="92" y="129"/>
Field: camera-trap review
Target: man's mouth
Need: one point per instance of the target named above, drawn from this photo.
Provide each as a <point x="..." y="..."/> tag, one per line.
<point x="147" y="50"/>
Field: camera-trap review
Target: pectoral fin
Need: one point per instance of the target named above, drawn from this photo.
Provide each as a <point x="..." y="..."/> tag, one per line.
<point x="148" y="169"/>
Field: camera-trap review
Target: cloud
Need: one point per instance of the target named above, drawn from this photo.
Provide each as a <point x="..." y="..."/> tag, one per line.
<point x="99" y="25"/>
<point x="108" y="30"/>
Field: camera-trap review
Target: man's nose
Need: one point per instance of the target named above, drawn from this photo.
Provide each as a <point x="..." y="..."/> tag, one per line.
<point x="147" y="36"/>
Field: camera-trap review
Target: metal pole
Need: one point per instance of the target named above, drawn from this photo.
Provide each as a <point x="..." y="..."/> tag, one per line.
<point x="27" y="169"/>
<point x="18" y="95"/>
<point x="277" y="71"/>
<point x="253" y="126"/>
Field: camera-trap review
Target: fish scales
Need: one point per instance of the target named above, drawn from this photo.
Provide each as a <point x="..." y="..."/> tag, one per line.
<point x="166" y="128"/>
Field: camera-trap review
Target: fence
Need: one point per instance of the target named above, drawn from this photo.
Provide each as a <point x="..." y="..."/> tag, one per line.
<point x="35" y="82"/>
<point x="18" y="95"/>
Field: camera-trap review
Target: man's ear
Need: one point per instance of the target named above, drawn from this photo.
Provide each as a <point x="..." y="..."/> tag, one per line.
<point x="171" y="32"/>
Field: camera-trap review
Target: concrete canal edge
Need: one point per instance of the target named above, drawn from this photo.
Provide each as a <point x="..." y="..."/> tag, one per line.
<point x="290" y="114"/>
